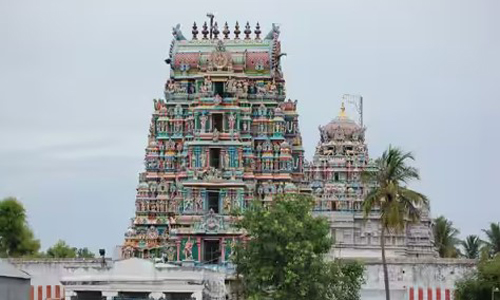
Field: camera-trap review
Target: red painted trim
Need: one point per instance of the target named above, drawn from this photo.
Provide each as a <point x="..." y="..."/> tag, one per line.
<point x="49" y="291"/>
<point x="429" y="294"/>
<point x="412" y="294"/>
<point x="40" y="292"/>
<point x="438" y="294"/>
<point x="58" y="291"/>
<point x="447" y="295"/>
<point x="420" y="294"/>
<point x="32" y="293"/>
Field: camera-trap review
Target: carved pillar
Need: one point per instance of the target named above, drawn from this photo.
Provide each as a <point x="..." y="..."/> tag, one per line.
<point x="207" y="160"/>
<point x="223" y="249"/>
<point x="190" y="158"/>
<point x="198" y="242"/>
<point x="178" y="245"/>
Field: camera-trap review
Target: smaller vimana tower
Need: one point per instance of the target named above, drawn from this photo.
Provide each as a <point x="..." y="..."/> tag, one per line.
<point x="334" y="177"/>
<point x="223" y="135"/>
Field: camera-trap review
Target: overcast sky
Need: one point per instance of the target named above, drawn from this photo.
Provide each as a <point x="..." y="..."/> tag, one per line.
<point x="77" y="79"/>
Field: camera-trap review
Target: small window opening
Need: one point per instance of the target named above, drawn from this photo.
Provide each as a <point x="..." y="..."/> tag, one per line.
<point x="213" y="201"/>
<point x="212" y="251"/>
<point x="217" y="121"/>
<point x="215" y="158"/>
<point x="219" y="88"/>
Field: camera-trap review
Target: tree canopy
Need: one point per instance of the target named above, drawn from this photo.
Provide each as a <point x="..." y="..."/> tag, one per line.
<point x="62" y="250"/>
<point x="445" y="236"/>
<point x="284" y="256"/>
<point x="471" y="247"/>
<point x="16" y="237"/>
<point x="479" y="284"/>
<point x="493" y="235"/>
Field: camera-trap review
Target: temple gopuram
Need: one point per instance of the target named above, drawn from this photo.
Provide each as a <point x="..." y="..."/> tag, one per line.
<point x="334" y="176"/>
<point x="223" y="136"/>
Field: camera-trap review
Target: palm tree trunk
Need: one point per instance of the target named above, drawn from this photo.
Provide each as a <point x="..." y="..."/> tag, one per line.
<point x="384" y="264"/>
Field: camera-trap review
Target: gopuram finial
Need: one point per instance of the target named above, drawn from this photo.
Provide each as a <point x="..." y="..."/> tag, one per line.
<point x="205" y="31"/>
<point x="195" y="31"/>
<point x="237" y="31"/>
<point x="342" y="110"/>
<point x="257" y="31"/>
<point x="226" y="31"/>
<point x="247" y="31"/>
<point x="215" y="31"/>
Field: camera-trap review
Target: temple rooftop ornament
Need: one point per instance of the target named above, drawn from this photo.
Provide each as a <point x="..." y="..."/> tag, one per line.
<point x="342" y="111"/>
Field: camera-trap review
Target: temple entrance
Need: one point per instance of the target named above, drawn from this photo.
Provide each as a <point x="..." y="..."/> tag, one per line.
<point x="211" y="251"/>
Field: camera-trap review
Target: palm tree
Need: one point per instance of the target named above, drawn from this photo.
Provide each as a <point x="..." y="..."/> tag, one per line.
<point x="445" y="237"/>
<point x="493" y="235"/>
<point x="396" y="203"/>
<point x="471" y="246"/>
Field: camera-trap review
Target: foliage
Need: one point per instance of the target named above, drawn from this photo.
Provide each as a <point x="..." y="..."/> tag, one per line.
<point x="396" y="202"/>
<point x="391" y="197"/>
<point x="471" y="246"/>
<point x="84" y="253"/>
<point x="16" y="237"/>
<point x="284" y="256"/>
<point x="445" y="237"/>
<point x="61" y="250"/>
<point x="479" y="284"/>
<point x="493" y="235"/>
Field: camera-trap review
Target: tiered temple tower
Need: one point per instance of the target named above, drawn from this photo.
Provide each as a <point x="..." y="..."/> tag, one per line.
<point x="334" y="177"/>
<point x="223" y="136"/>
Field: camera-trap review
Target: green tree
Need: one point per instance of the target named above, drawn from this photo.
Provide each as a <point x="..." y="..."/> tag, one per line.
<point x="445" y="237"/>
<point x="84" y="253"/>
<point x="395" y="202"/>
<point x="284" y="257"/>
<point x="479" y="284"/>
<point x="471" y="247"/>
<point x="493" y="235"/>
<point x="61" y="250"/>
<point x="16" y="237"/>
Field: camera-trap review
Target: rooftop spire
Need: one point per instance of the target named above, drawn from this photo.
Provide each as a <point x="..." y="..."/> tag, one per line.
<point x="342" y="111"/>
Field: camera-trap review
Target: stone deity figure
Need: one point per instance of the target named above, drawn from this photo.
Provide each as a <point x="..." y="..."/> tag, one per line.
<point x="232" y="120"/>
<point x="188" y="204"/>
<point x="203" y="122"/>
<point x="170" y="86"/>
<point x="188" y="250"/>
<point x="216" y="135"/>
<point x="203" y="160"/>
<point x="245" y="86"/>
<point x="227" y="161"/>
<point x="227" y="203"/>
<point x="199" y="203"/>
<point x="152" y="233"/>
<point x="232" y="247"/>
<point x="207" y="85"/>
<point x="230" y="85"/>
